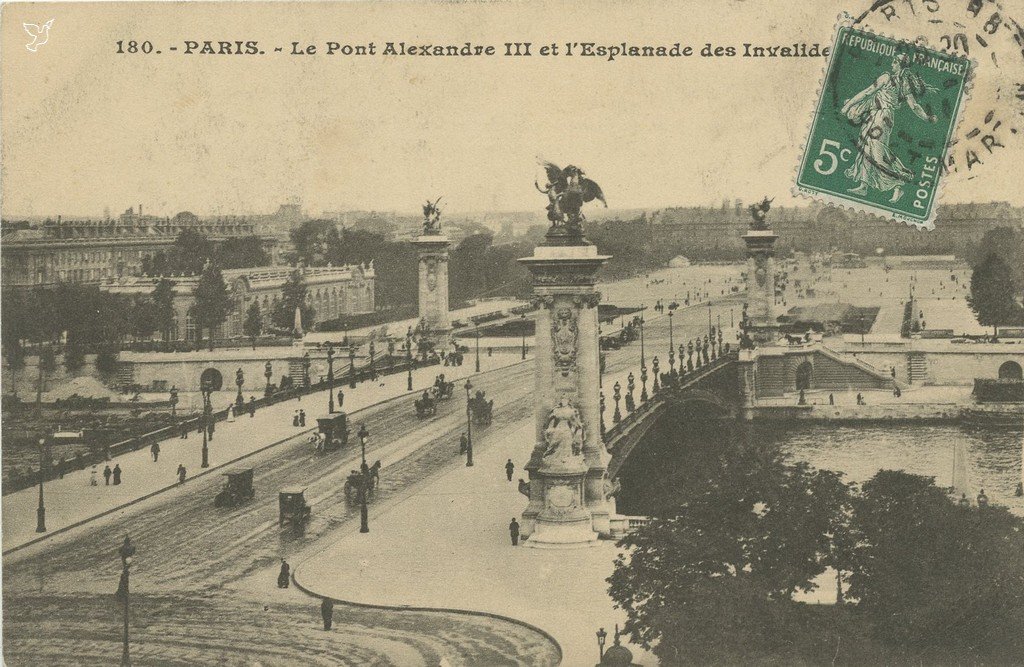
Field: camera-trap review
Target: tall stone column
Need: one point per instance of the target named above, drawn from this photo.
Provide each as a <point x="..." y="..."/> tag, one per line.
<point x="762" y="327"/>
<point x="568" y="504"/>
<point x="432" y="250"/>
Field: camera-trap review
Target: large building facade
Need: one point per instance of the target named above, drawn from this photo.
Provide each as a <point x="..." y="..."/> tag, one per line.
<point x="332" y="290"/>
<point x="93" y="251"/>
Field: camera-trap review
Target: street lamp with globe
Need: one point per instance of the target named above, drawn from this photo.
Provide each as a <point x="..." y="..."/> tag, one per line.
<point x="127" y="552"/>
<point x="469" y="425"/>
<point x="239" y="380"/>
<point x="174" y="401"/>
<point x="268" y="372"/>
<point x="330" y="379"/>
<point x="352" y="365"/>
<point x="305" y="369"/>
<point x="408" y="359"/>
<point x="44" y="458"/>
<point x="206" y="388"/>
<point x="364" y="512"/>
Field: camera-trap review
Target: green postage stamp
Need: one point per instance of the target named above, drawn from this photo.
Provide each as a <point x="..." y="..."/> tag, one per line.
<point x="884" y="120"/>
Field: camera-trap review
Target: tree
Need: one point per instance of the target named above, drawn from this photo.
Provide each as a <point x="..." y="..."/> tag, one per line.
<point x="190" y="253"/>
<point x="253" y="325"/>
<point x="144" y="317"/>
<point x="994" y="294"/>
<point x="714" y="582"/>
<point x="293" y="294"/>
<point x="242" y="252"/>
<point x="315" y="241"/>
<point x="942" y="582"/>
<point x="163" y="302"/>
<point x="212" y="303"/>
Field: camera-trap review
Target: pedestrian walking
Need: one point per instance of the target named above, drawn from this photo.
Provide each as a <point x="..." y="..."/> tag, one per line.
<point x="61" y="466"/>
<point x="831" y="399"/>
<point x="302" y="417"/>
<point x="107" y="472"/>
<point x="327" y="612"/>
<point x="463" y="444"/>
<point x="181" y="474"/>
<point x="295" y="419"/>
<point x="92" y="477"/>
<point x="231" y="412"/>
<point x="513" y="531"/>
<point x="509" y="468"/>
<point x="155" y="451"/>
<point x="117" y="474"/>
<point x="252" y="407"/>
<point x="284" y="575"/>
<point x="184" y="431"/>
<point x="341" y="398"/>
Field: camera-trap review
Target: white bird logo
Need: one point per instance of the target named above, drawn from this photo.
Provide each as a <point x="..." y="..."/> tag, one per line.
<point x="39" y="35"/>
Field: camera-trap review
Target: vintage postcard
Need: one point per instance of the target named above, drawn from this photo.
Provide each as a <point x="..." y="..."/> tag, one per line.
<point x="434" y="333"/>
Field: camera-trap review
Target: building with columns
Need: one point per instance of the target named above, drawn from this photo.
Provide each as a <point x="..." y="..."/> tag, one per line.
<point x="94" y="251"/>
<point x="332" y="290"/>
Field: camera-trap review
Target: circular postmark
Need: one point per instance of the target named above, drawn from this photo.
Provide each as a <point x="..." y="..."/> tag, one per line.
<point x="982" y="31"/>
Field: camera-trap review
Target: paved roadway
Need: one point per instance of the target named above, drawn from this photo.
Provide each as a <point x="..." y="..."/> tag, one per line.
<point x="195" y="596"/>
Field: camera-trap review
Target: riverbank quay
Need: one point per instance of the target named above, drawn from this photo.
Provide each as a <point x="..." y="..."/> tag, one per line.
<point x="923" y="405"/>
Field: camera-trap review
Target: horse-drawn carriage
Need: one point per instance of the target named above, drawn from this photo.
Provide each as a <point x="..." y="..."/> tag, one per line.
<point x="356" y="480"/>
<point x="292" y="507"/>
<point x="426" y="405"/>
<point x="481" y="409"/>
<point x="237" y="489"/>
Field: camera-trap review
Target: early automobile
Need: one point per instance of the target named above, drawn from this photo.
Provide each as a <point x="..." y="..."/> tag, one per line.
<point x="334" y="430"/>
<point x="292" y="506"/>
<point x="237" y="489"/>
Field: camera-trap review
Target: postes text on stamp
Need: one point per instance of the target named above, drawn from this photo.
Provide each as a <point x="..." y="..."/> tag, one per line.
<point x="886" y="113"/>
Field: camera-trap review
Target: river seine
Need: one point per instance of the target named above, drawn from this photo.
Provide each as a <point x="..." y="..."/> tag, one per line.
<point x="993" y="454"/>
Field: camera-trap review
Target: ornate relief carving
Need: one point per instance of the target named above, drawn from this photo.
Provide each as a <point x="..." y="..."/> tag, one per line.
<point x="431" y="264"/>
<point x="564" y="335"/>
<point x="545" y="300"/>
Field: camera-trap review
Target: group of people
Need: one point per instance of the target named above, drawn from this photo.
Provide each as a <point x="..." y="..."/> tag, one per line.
<point x="299" y="418"/>
<point x="111" y="476"/>
<point x="451" y="358"/>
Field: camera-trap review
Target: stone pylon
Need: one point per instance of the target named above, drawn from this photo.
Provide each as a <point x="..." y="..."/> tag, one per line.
<point x="432" y="250"/>
<point x="762" y="325"/>
<point x="569" y="504"/>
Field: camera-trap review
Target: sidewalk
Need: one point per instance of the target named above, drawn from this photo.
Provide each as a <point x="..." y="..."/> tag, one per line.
<point x="72" y="500"/>
<point x="447" y="546"/>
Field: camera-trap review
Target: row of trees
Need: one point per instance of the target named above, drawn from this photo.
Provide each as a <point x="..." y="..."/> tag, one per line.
<point x="192" y="251"/>
<point x="924" y="580"/>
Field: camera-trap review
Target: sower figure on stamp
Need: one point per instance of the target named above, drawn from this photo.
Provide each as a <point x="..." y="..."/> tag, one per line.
<point x="874" y="110"/>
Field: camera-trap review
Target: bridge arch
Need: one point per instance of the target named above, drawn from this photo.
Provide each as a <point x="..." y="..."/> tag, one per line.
<point x="1011" y="370"/>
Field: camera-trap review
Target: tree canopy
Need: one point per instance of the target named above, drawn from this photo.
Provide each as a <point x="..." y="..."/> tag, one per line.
<point x="212" y="302"/>
<point x="995" y="293"/>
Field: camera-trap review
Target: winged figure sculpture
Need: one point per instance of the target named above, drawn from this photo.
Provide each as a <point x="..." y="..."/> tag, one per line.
<point x="567" y="190"/>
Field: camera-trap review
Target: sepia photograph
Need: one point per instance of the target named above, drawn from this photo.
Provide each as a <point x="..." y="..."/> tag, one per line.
<point x="515" y="332"/>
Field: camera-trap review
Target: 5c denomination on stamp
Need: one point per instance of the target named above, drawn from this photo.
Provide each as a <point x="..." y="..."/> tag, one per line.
<point x="884" y="119"/>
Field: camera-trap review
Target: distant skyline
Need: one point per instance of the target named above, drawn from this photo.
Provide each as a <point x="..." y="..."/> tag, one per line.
<point x="84" y="128"/>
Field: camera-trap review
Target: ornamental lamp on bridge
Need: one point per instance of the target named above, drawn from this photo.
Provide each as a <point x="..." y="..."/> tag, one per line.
<point x="330" y="379"/>
<point x="239" y="380"/>
<point x="568" y="504"/>
<point x="268" y="372"/>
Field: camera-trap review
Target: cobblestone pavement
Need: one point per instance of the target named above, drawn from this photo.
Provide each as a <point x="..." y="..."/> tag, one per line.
<point x="190" y="554"/>
<point x="220" y="629"/>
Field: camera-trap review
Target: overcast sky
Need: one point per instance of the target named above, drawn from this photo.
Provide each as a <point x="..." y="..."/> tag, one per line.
<point x="85" y="128"/>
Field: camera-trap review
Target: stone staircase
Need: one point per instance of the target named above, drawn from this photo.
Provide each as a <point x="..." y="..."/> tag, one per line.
<point x="296" y="372"/>
<point x="125" y="374"/>
<point x="917" y="368"/>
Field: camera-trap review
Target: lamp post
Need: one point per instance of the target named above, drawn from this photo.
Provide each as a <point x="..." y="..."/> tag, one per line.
<point x="643" y="358"/>
<point x="654" y="369"/>
<point x="408" y="359"/>
<point x="127" y="551"/>
<point x="709" y="315"/>
<point x="617" y="396"/>
<point x="330" y="379"/>
<point x="351" y="365"/>
<point x="174" y="401"/>
<point x="41" y="510"/>
<point x="206" y="389"/>
<point x="364" y="512"/>
<point x="477" y="330"/>
<point x="643" y="384"/>
<point x="469" y="426"/>
<point x="373" y="353"/>
<point x="305" y="369"/>
<point x="239" y="380"/>
<point x="602" y="414"/>
<point x="268" y="372"/>
<point x="671" y="343"/>
<point x="602" y="636"/>
<point x="522" y="319"/>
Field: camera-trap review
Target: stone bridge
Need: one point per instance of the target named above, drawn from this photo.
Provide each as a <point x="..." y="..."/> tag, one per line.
<point x="715" y="385"/>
